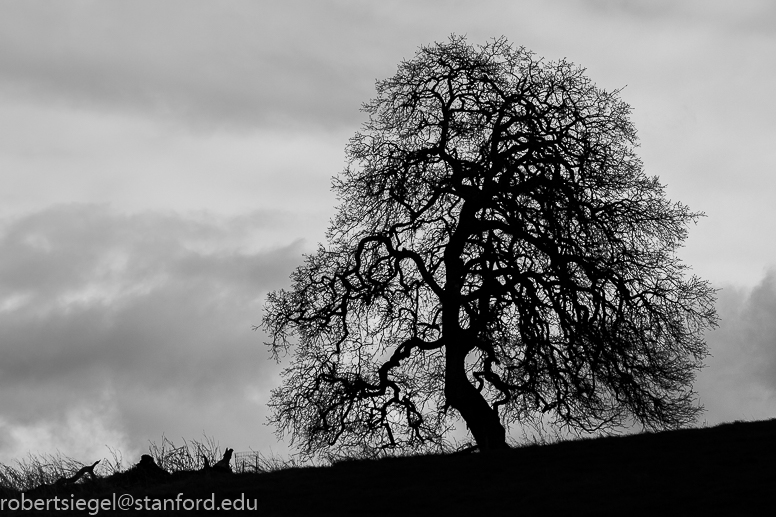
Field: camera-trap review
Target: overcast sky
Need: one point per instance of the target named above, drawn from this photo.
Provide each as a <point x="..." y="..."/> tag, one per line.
<point x="164" y="164"/>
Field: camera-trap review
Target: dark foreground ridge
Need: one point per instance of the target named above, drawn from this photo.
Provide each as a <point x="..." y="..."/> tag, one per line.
<point x="725" y="470"/>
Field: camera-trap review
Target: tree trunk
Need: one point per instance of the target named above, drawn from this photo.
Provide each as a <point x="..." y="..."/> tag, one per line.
<point x="461" y="395"/>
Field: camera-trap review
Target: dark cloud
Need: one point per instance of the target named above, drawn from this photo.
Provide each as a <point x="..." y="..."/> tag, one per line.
<point x="145" y="319"/>
<point x="117" y="327"/>
<point x="228" y="64"/>
<point x="242" y="64"/>
<point x="751" y="14"/>
<point x="760" y="329"/>
<point x="654" y="9"/>
<point x="740" y="379"/>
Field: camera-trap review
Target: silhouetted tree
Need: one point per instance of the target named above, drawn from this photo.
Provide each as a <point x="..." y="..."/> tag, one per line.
<point x="498" y="250"/>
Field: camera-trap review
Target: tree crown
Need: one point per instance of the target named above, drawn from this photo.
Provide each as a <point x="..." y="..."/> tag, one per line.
<point x="498" y="250"/>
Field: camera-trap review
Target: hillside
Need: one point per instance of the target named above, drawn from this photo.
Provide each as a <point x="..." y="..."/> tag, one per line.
<point x="725" y="470"/>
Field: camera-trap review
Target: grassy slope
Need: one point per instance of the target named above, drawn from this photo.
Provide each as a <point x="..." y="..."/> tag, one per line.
<point x="724" y="470"/>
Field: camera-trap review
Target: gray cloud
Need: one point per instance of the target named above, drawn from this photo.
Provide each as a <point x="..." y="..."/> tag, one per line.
<point x="746" y="14"/>
<point x="145" y="319"/>
<point x="302" y="63"/>
<point x="739" y="382"/>
<point x="121" y="328"/>
<point x="760" y="329"/>
<point x="228" y="64"/>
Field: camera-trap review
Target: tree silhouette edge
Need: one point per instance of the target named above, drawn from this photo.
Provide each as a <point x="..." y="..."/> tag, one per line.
<point x="499" y="252"/>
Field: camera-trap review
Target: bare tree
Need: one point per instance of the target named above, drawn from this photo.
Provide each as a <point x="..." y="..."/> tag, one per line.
<point x="498" y="250"/>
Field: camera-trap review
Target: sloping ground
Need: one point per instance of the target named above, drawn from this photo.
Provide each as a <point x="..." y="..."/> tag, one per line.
<point x="725" y="470"/>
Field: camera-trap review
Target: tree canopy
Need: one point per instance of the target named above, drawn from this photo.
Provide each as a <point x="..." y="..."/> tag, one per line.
<point x="498" y="255"/>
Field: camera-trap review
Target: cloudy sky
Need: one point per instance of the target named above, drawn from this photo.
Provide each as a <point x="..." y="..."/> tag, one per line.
<point x="164" y="164"/>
